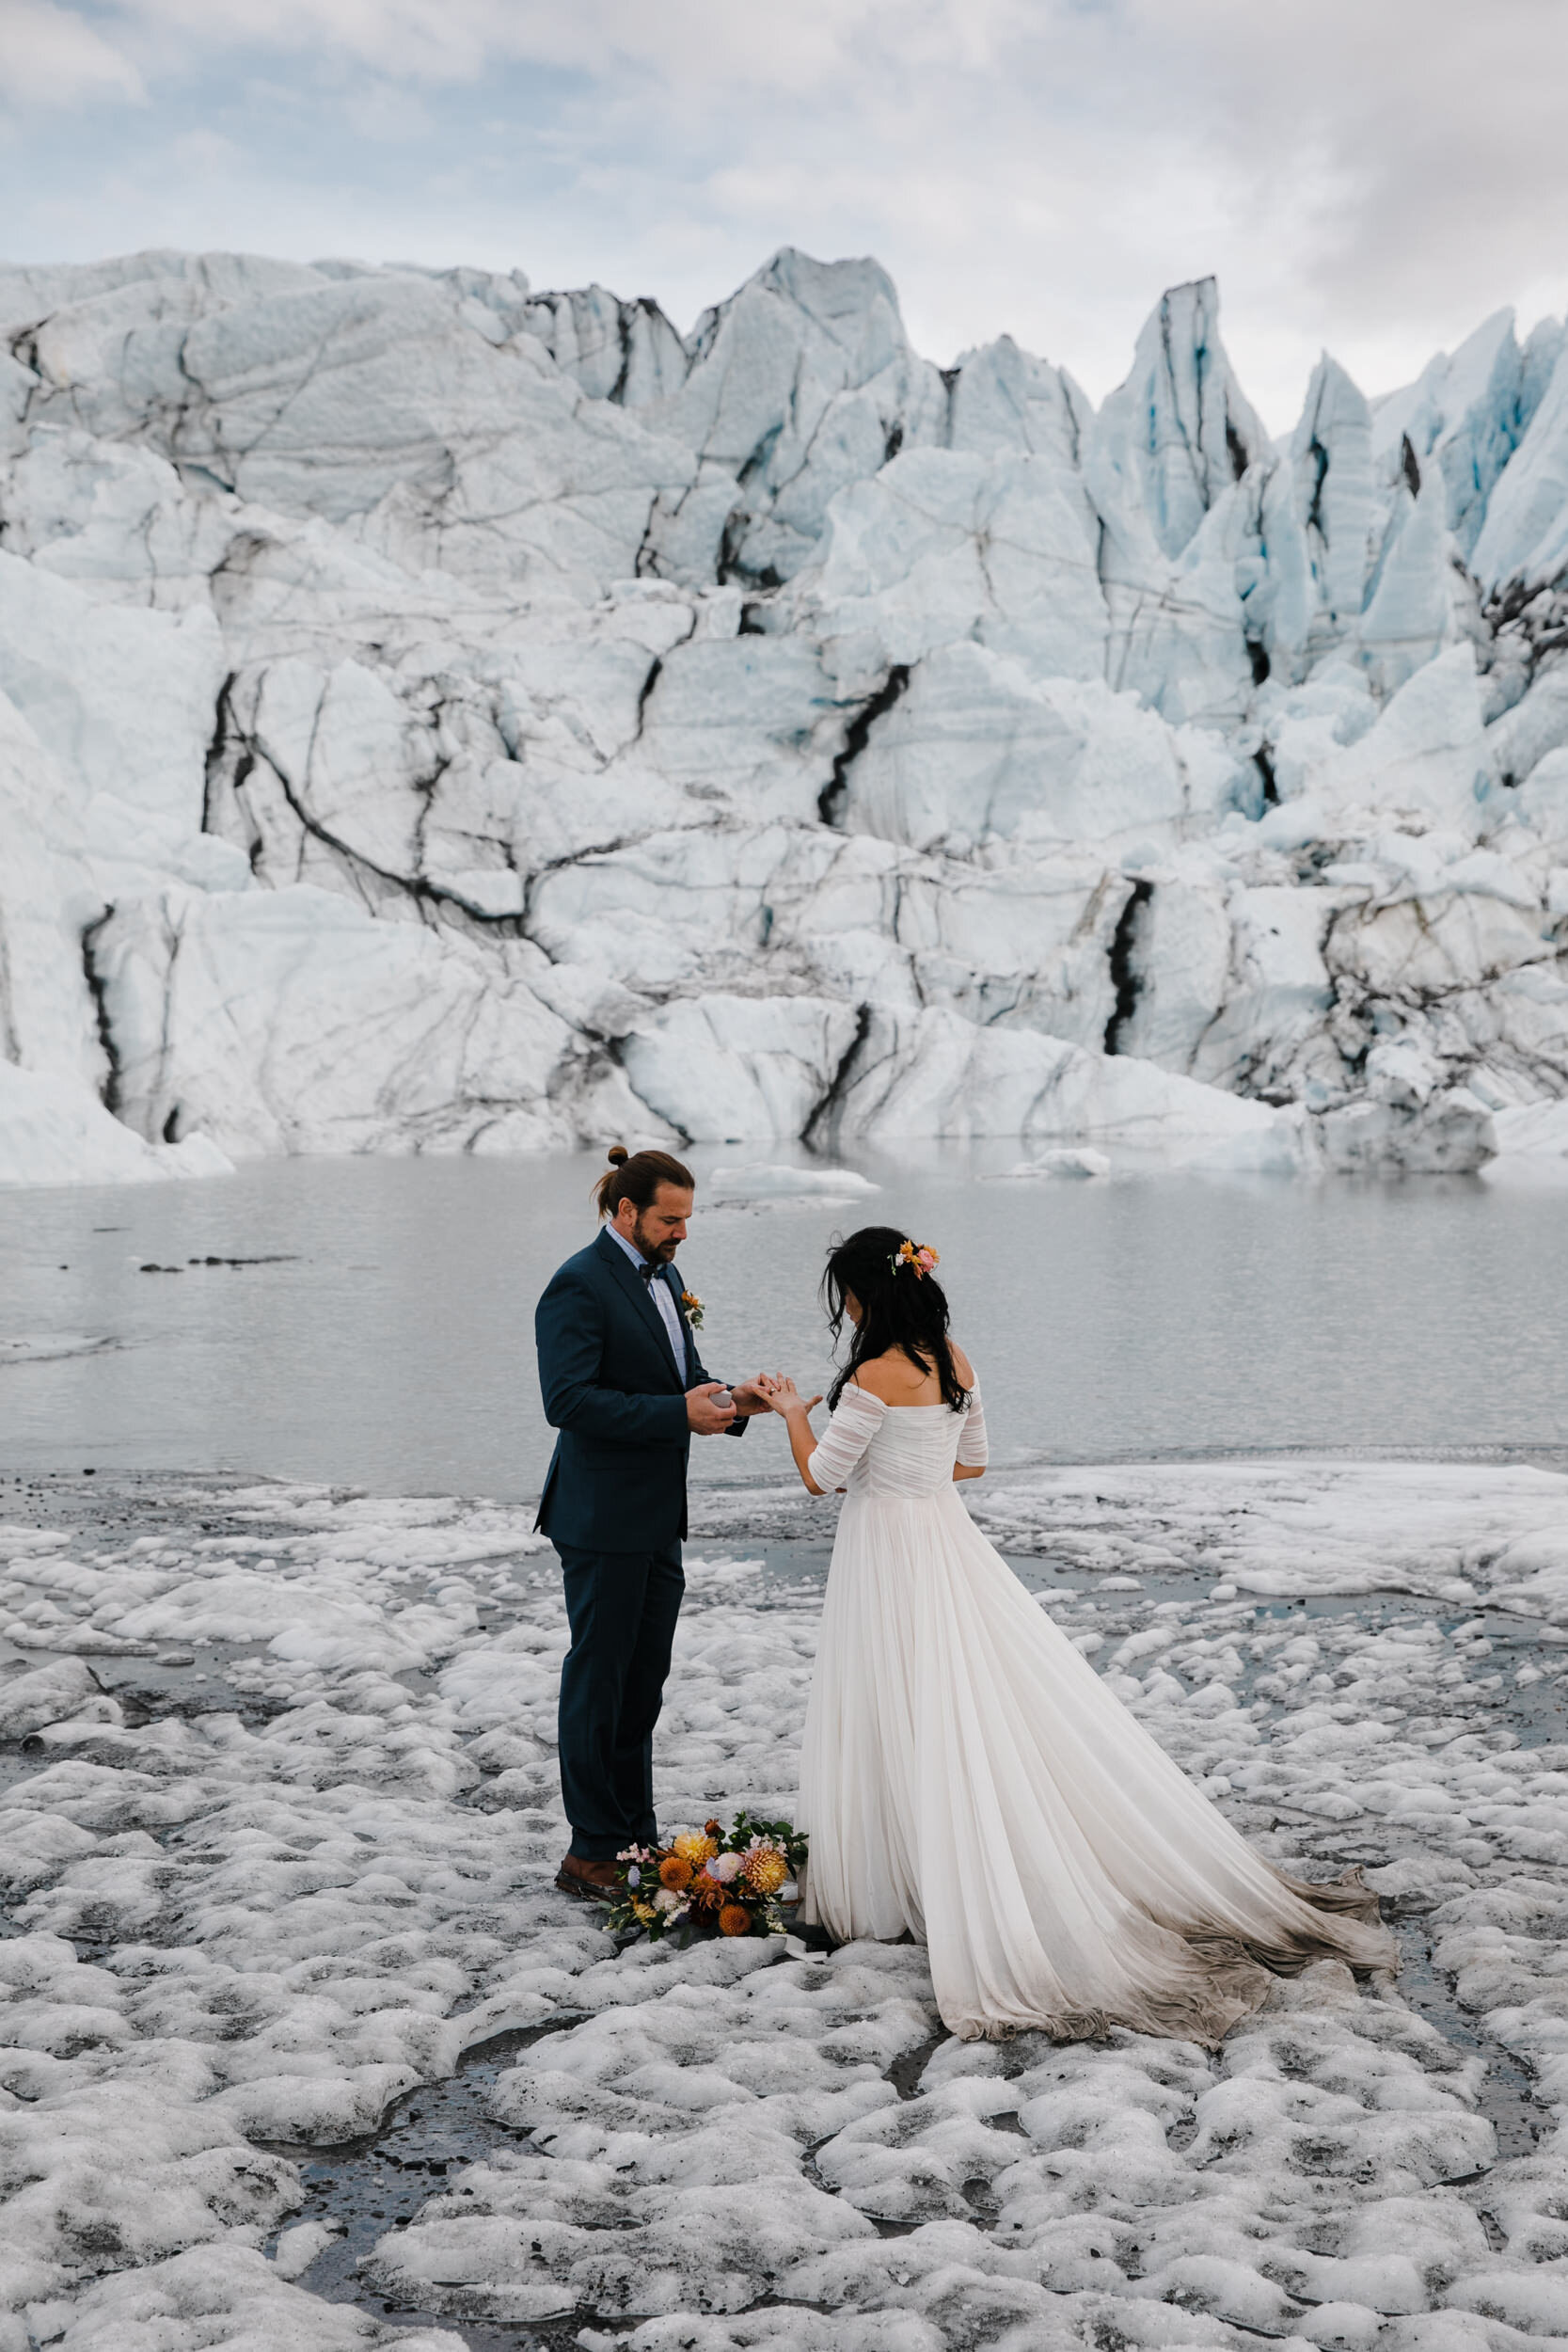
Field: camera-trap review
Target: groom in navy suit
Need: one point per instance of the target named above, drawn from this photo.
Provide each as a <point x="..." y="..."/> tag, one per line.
<point x="623" y="1386"/>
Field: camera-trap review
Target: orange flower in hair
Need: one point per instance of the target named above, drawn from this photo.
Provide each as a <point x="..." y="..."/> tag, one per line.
<point x="919" y="1256"/>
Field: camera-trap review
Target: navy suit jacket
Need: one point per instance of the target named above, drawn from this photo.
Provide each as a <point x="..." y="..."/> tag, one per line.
<point x="617" y="1478"/>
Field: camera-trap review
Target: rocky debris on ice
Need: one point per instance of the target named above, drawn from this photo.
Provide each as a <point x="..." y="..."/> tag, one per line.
<point x="245" y="1932"/>
<point x="438" y="715"/>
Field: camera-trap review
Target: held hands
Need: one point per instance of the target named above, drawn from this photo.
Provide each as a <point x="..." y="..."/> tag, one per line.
<point x="711" y="1408"/>
<point x="785" y="1398"/>
<point x="752" y="1396"/>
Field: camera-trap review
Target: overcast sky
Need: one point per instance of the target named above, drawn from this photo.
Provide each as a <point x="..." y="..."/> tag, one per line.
<point x="1375" y="176"/>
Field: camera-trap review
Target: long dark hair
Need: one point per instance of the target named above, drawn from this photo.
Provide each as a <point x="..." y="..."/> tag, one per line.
<point x="904" y="1309"/>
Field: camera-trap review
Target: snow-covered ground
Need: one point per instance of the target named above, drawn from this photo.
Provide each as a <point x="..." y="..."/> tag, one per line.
<point x="279" y="1821"/>
<point x="439" y="715"/>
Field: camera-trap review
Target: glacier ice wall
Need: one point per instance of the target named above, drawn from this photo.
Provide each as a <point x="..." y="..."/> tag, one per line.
<point x="437" y="715"/>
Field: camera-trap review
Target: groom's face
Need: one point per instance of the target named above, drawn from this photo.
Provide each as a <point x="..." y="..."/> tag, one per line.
<point x="658" y="1230"/>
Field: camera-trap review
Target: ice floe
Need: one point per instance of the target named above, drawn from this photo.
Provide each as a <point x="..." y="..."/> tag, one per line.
<point x="1075" y="1162"/>
<point x="772" y="1181"/>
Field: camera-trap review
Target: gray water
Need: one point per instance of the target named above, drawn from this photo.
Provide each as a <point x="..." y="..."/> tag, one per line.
<point x="388" y="1342"/>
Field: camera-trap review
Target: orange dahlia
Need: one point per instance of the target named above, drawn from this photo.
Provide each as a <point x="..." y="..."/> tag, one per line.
<point x="734" y="1919"/>
<point x="767" y="1870"/>
<point x="674" y="1870"/>
<point x="714" y="1829"/>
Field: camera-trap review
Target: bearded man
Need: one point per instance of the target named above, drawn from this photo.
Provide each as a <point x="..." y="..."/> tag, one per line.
<point x="623" y="1386"/>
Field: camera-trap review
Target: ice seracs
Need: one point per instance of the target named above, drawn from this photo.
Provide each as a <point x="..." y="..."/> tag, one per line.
<point x="443" y="715"/>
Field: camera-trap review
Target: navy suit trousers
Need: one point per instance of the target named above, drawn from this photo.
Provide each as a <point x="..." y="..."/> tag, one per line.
<point x="621" y="1608"/>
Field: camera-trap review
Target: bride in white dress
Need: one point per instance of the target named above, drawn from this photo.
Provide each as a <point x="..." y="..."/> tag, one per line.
<point x="967" y="1778"/>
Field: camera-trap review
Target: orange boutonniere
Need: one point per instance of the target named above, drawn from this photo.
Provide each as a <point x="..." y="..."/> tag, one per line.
<point x="693" y="1307"/>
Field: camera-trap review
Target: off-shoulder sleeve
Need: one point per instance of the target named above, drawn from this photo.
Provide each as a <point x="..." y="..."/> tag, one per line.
<point x="974" y="1447"/>
<point x="854" y="1424"/>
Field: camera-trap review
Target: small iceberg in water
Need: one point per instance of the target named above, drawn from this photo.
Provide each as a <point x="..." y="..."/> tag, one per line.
<point x="1076" y="1162"/>
<point x="772" y="1182"/>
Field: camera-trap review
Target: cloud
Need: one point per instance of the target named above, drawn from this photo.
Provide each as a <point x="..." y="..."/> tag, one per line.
<point x="441" y="41"/>
<point x="1373" y="175"/>
<point x="50" y="58"/>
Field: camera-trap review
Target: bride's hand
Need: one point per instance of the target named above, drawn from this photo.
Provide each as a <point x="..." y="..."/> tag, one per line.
<point x="785" y="1397"/>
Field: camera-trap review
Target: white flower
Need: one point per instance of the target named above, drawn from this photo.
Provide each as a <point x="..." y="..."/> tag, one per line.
<point x="724" y="1868"/>
<point x="667" y="1899"/>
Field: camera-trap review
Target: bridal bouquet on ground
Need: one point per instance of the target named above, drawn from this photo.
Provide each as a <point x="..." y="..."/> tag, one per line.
<point x="726" y="1881"/>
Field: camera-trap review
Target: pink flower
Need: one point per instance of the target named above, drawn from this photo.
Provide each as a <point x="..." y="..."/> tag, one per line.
<point x="724" y="1866"/>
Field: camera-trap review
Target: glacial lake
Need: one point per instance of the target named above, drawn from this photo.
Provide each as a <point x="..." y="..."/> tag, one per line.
<point x="388" y="1341"/>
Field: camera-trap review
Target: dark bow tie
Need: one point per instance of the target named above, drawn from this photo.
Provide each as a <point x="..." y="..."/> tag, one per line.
<point x="647" y="1272"/>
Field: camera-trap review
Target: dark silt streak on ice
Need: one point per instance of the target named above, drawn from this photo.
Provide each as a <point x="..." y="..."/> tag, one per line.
<point x="379" y="2182"/>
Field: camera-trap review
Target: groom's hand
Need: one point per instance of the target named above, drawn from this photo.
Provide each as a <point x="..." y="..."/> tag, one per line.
<point x="752" y="1396"/>
<point x="703" y="1417"/>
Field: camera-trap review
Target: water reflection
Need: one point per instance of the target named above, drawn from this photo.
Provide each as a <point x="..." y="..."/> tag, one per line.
<point x="389" y="1344"/>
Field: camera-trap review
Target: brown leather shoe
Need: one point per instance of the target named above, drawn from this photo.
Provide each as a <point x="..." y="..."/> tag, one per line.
<point x="590" y="1881"/>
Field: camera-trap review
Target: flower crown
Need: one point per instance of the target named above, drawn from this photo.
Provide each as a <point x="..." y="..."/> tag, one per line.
<point x="919" y="1256"/>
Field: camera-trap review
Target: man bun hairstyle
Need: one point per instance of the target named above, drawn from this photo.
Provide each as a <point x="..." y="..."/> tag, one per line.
<point x="635" y="1176"/>
<point x="900" y="1310"/>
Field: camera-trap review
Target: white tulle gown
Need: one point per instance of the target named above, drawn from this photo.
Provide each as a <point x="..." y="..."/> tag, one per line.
<point x="968" y="1778"/>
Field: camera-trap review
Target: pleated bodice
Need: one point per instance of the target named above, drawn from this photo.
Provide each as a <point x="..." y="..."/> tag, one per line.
<point x="898" y="1452"/>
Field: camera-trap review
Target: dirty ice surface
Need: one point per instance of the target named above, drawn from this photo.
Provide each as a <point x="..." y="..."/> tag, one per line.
<point x="279" y="1822"/>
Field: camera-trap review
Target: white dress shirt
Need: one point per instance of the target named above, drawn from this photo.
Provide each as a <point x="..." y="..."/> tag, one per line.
<point x="663" y="1297"/>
